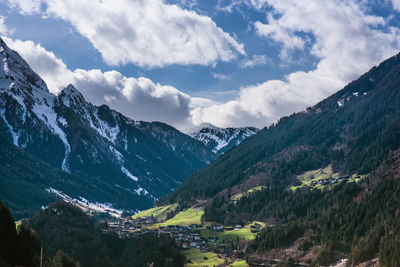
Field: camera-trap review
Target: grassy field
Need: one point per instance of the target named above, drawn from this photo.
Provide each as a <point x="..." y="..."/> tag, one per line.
<point x="158" y="212"/>
<point x="243" y="233"/>
<point x="239" y="264"/>
<point x="185" y="217"/>
<point x="202" y="259"/>
<point x="240" y="195"/>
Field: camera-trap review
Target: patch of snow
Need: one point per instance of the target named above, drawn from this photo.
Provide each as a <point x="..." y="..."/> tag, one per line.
<point x="105" y="130"/>
<point x="14" y="134"/>
<point x="86" y="205"/>
<point x="125" y="144"/>
<point x="141" y="191"/>
<point x="129" y="174"/>
<point x="117" y="154"/>
<point x="339" y="103"/>
<point x="355" y="93"/>
<point x="48" y="116"/>
<point x="141" y="158"/>
<point x="63" y="121"/>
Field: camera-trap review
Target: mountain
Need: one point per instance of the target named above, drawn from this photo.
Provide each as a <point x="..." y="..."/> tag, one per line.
<point x="324" y="180"/>
<point x="351" y="130"/>
<point x="220" y="140"/>
<point x="136" y="161"/>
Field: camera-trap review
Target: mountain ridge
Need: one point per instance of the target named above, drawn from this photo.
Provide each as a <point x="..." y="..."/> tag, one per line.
<point x="136" y="160"/>
<point x="220" y="140"/>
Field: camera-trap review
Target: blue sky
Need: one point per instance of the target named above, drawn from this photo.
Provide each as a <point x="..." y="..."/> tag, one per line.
<point x="185" y="62"/>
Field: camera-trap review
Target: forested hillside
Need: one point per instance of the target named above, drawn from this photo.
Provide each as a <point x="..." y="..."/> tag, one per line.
<point x="352" y="130"/>
<point x="325" y="180"/>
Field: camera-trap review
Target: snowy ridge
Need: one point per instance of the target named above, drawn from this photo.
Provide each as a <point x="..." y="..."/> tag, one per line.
<point x="220" y="139"/>
<point x="32" y="95"/>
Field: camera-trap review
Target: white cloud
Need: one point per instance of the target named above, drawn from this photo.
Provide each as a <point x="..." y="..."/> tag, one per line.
<point x="396" y="4"/>
<point x="3" y="28"/>
<point x="221" y="77"/>
<point x="187" y="3"/>
<point x="138" y="98"/>
<point x="347" y="43"/>
<point x="256" y="60"/>
<point x="146" y="33"/>
<point x="230" y="5"/>
<point x="26" y="7"/>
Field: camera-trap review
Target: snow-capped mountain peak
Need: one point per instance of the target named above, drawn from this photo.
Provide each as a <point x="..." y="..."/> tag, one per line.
<point x="14" y="69"/>
<point x="220" y="139"/>
<point x="71" y="97"/>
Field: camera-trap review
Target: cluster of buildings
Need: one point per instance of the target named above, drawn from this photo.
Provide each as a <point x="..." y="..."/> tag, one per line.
<point x="187" y="236"/>
<point x="128" y="227"/>
<point x="331" y="180"/>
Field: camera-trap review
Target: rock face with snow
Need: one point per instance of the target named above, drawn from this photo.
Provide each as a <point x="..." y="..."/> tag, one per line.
<point x="138" y="160"/>
<point x="220" y="140"/>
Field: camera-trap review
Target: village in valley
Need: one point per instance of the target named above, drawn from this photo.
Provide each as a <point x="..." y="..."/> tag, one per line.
<point x="206" y="239"/>
<point x="203" y="237"/>
<point x="189" y="232"/>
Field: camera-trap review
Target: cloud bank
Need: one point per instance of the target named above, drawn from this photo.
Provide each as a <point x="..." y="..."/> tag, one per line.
<point x="145" y="33"/>
<point x="348" y="43"/>
<point x="345" y="45"/>
<point x="137" y="98"/>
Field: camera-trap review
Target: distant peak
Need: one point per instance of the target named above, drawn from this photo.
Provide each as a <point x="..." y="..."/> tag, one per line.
<point x="199" y="127"/>
<point x="71" y="96"/>
<point x="71" y="91"/>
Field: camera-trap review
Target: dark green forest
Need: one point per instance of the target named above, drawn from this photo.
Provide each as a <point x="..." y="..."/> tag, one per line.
<point x="71" y="238"/>
<point x="358" y="219"/>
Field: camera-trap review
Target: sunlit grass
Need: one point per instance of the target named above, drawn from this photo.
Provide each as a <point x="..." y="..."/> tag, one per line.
<point x="158" y="212"/>
<point x="242" y="233"/>
<point x="186" y="217"/>
<point x="202" y="259"/>
<point x="241" y="263"/>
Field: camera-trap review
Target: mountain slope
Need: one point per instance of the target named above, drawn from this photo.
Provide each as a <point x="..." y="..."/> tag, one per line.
<point x="140" y="161"/>
<point x="352" y="130"/>
<point x="220" y="140"/>
<point x="347" y="209"/>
